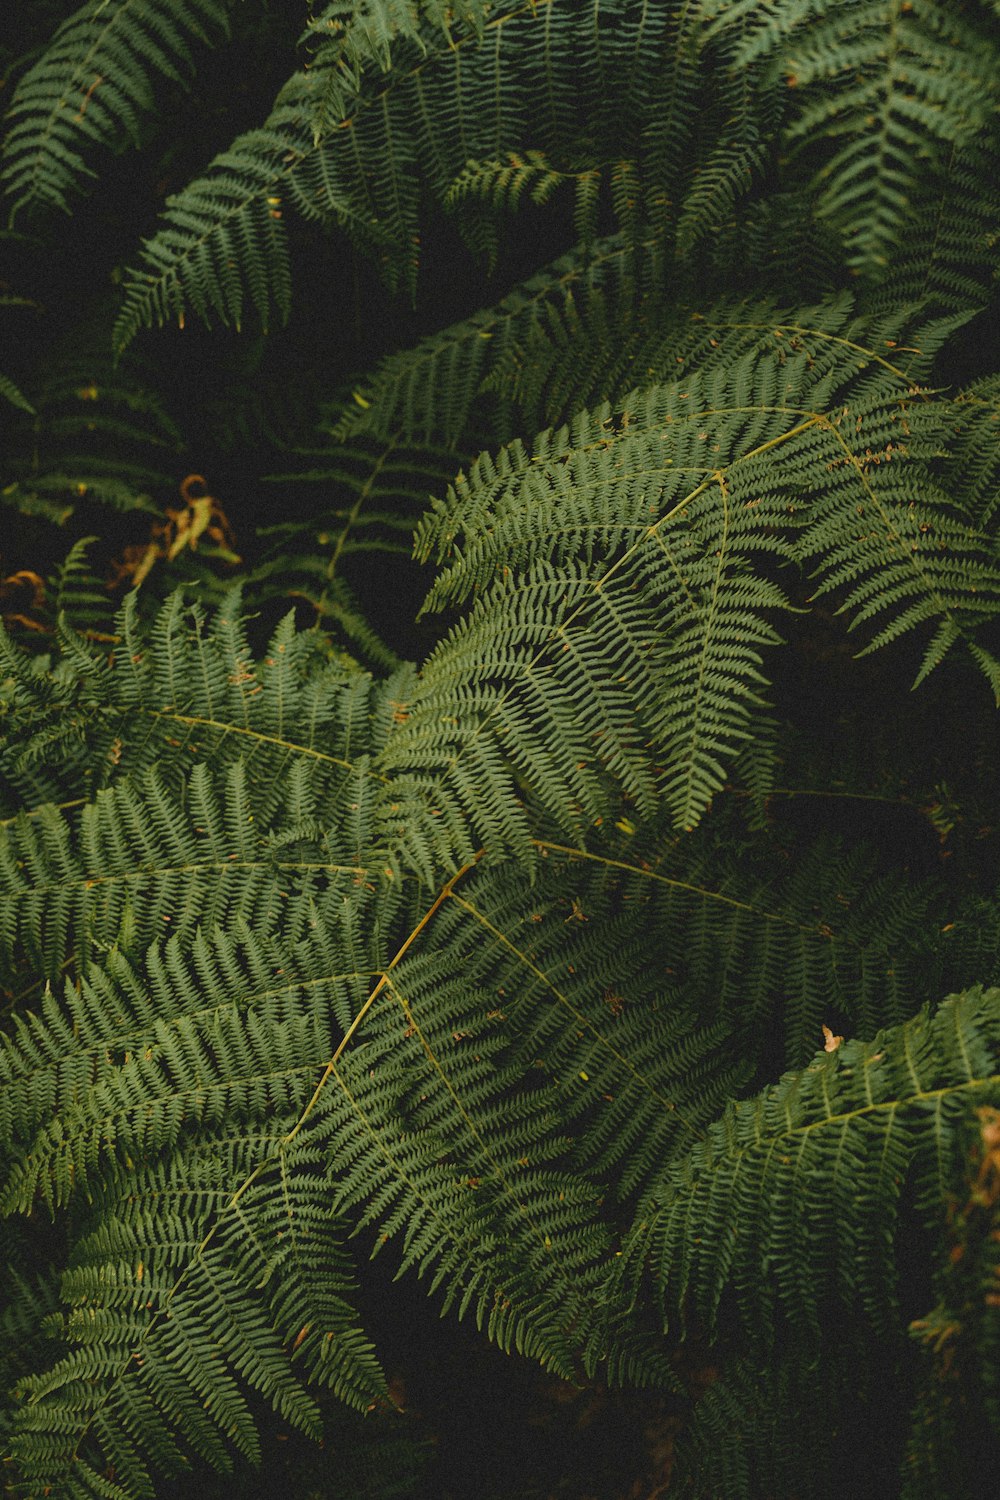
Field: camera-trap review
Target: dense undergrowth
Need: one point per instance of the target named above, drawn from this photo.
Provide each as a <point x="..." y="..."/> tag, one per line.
<point x="498" y="778"/>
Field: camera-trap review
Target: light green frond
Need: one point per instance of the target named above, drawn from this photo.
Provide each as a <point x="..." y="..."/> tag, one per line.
<point x="187" y="1299"/>
<point x="139" y="859"/>
<point x="187" y="1096"/>
<point x="493" y="962"/>
<point x="189" y="1035"/>
<point x="623" y="573"/>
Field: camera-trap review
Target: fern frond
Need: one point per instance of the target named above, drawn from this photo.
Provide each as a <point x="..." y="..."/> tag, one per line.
<point x="898" y="84"/>
<point x="359" y="146"/>
<point x="29" y="1318"/>
<point x="78" y="597"/>
<point x="93" y="87"/>
<point x="785" y="1216"/>
<point x="586" y="351"/>
<point x="905" y="554"/>
<point x="950" y="252"/>
<point x="190" y="1034"/>
<point x="378" y="490"/>
<point x="193" y="1259"/>
<point x="143" y="859"/>
<point x="727" y="175"/>
<point x="185" y="1299"/>
<point x="155" y="1079"/>
<point x="586" y="1012"/>
<point x="739" y="1443"/>
<point x="432" y="389"/>
<point x="489" y="962"/>
<point x="222" y="245"/>
<point x="973" y="466"/>
<point x="621" y="574"/>
<point x="781" y="1198"/>
<point x="182" y="685"/>
<point x="12" y="392"/>
<point x="349" y="41"/>
<point x="834" y="941"/>
<point x="501" y="185"/>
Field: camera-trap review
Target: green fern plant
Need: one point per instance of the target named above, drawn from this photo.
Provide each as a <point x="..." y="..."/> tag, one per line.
<point x="96" y="434"/>
<point x="900" y="84"/>
<point x="746" y="1210"/>
<point x="93" y="86"/>
<point x="454" y="882"/>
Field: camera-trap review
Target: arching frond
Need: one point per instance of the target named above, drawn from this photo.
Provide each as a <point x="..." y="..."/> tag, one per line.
<point x="182" y="682"/>
<point x="416" y="1125"/>
<point x="78" y="597"/>
<point x="625" y="567"/>
<point x="142" y="859"/>
<point x="222" y="246"/>
<point x="950" y="250"/>
<point x="772" y="1219"/>
<point x="346" y="42"/>
<point x="185" y="1298"/>
<point x="888" y="88"/>
<point x="780" y="1193"/>
<point x="833" y="941"/>
<point x="488" y="961"/>
<point x="93" y="86"/>
<point x="393" y="112"/>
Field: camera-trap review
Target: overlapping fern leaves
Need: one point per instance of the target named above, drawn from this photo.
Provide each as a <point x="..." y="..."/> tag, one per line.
<point x="355" y="158"/>
<point x="909" y="1086"/>
<point x="628" y="563"/>
<point x="900" y="84"/>
<point x="194" y="1088"/>
<point x="262" y="996"/>
<point x="317" y="1008"/>
<point x="744" y="1226"/>
<point x="710" y="91"/>
<point x="492" y="959"/>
